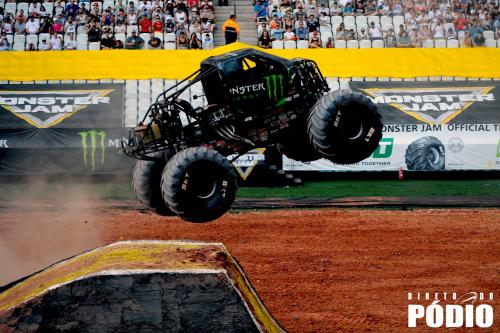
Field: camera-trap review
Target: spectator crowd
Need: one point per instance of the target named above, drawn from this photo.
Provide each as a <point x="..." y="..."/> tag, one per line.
<point x="377" y="23"/>
<point x="112" y="24"/>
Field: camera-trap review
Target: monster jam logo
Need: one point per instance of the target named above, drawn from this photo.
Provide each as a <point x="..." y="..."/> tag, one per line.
<point x="431" y="105"/>
<point x="274" y="85"/>
<point x="245" y="164"/>
<point x="90" y="142"/>
<point x="44" y="109"/>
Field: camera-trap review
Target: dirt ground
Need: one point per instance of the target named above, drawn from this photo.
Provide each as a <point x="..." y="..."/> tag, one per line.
<point x="326" y="270"/>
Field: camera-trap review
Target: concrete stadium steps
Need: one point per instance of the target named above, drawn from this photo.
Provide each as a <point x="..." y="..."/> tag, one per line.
<point x="138" y="286"/>
<point x="245" y="15"/>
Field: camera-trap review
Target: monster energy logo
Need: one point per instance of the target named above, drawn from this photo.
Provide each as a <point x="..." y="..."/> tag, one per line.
<point x="93" y="135"/>
<point x="273" y="86"/>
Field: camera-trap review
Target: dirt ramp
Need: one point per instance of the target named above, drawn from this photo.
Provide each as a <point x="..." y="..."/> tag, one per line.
<point x="141" y="286"/>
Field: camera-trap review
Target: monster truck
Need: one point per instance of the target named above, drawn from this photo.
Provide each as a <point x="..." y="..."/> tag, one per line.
<point x="253" y="99"/>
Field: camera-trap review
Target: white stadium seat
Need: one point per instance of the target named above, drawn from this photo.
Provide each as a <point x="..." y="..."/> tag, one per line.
<point x="290" y="44"/>
<point x="349" y="21"/>
<point x="146" y="37"/>
<point x="498" y="43"/>
<point x="10" y="7"/>
<point x="95" y="46"/>
<point x="120" y="37"/>
<point x="169" y="46"/>
<point x="378" y="44"/>
<point x="352" y="44"/>
<point x="302" y="44"/>
<point x="49" y="6"/>
<point x="32" y="39"/>
<point x="24" y="6"/>
<point x="169" y="37"/>
<point x="326" y="28"/>
<point x="361" y="20"/>
<point x="397" y="21"/>
<point x="340" y="44"/>
<point x="440" y="43"/>
<point x="19" y="41"/>
<point x="428" y="43"/>
<point x="385" y="20"/>
<point x="489" y="34"/>
<point x="490" y="43"/>
<point x="365" y="44"/>
<point x="277" y="44"/>
<point x="373" y="19"/>
<point x="131" y="28"/>
<point x="336" y="20"/>
<point x="452" y="43"/>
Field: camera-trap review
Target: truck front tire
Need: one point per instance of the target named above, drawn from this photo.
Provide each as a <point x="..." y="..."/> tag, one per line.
<point x="345" y="127"/>
<point x="199" y="184"/>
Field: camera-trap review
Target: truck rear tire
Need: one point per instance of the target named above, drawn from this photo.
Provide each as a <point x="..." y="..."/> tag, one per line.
<point x="425" y="154"/>
<point x="146" y="181"/>
<point x="345" y="127"/>
<point x="199" y="184"/>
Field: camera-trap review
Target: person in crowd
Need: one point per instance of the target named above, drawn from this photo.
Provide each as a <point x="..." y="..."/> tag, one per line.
<point x="439" y="31"/>
<point x="169" y="25"/>
<point x="425" y="33"/>
<point x="208" y="42"/>
<point x="315" y="42"/>
<point x="94" y="33"/>
<point x="404" y="40"/>
<point x="231" y="29"/>
<point x="107" y="40"/>
<point x="182" y="42"/>
<point x="289" y="34"/>
<point x="335" y="10"/>
<point x="154" y="43"/>
<point x="390" y="38"/>
<point x="20" y="26"/>
<point x="44" y="45"/>
<point x="70" y="42"/>
<point x="45" y="25"/>
<point x="70" y="26"/>
<point x="312" y="24"/>
<point x="330" y="43"/>
<point x="301" y="31"/>
<point x="206" y="26"/>
<point x="145" y="24"/>
<point x="478" y="40"/>
<point x="7" y="26"/>
<point x="194" y="42"/>
<point x="475" y="29"/>
<point x="340" y="33"/>
<point x="134" y="42"/>
<point x="260" y="9"/>
<point x="277" y="33"/>
<point x="120" y="27"/>
<point x="265" y="40"/>
<point x="56" y="42"/>
<point x="374" y="32"/>
<point x="4" y="42"/>
<point x="415" y="38"/>
<point x="71" y="8"/>
<point x="30" y="47"/>
<point x="58" y="24"/>
<point x="363" y="35"/>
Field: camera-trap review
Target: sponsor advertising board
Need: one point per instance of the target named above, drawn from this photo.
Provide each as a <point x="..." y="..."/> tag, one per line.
<point x="429" y="126"/>
<point x="58" y="129"/>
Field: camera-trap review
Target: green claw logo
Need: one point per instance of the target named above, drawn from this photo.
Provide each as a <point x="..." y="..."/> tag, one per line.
<point x="93" y="134"/>
<point x="273" y="86"/>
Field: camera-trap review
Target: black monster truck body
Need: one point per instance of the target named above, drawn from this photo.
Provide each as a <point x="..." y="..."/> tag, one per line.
<point x="254" y="99"/>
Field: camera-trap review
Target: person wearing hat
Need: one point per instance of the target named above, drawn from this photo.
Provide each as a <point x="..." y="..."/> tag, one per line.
<point x="231" y="29"/>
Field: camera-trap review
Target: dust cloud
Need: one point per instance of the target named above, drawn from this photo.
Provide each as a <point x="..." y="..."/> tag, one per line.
<point x="44" y="221"/>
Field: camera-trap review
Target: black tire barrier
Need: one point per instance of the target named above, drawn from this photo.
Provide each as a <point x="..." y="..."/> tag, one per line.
<point x="199" y="184"/>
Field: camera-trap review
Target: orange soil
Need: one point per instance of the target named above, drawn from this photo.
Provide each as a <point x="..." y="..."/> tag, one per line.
<point x="328" y="270"/>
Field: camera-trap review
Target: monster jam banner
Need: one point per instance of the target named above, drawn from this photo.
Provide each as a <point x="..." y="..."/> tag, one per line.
<point x="429" y="126"/>
<point x="56" y="129"/>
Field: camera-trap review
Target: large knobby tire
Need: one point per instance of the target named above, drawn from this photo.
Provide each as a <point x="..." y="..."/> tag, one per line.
<point x="296" y="146"/>
<point x="199" y="184"/>
<point x="425" y="154"/>
<point x="146" y="181"/>
<point x="345" y="127"/>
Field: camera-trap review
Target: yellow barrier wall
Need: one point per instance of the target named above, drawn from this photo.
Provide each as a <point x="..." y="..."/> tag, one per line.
<point x="176" y="64"/>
